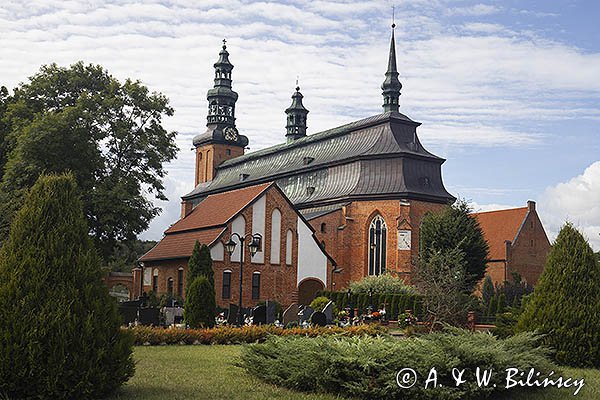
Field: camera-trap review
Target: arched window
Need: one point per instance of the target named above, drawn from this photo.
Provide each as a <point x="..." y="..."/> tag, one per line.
<point x="256" y="286"/>
<point x="288" y="247"/>
<point x="226" y="291"/>
<point x="180" y="281"/>
<point x="275" y="236"/>
<point x="155" y="280"/>
<point x="377" y="246"/>
<point x="170" y="286"/>
<point x="323" y="227"/>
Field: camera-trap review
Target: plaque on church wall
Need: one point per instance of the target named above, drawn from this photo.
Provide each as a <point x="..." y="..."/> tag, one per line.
<point x="404" y="239"/>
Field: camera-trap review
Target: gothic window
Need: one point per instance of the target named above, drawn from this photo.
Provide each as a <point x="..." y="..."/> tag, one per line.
<point x="256" y="286"/>
<point x="377" y="246"/>
<point x="226" y="292"/>
<point x="288" y="247"/>
<point x="275" y="236"/>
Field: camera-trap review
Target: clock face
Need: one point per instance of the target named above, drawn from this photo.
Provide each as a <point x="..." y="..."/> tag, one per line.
<point x="404" y="240"/>
<point x="230" y="134"/>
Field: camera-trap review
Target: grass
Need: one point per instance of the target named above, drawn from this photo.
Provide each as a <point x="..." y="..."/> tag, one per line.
<point x="209" y="372"/>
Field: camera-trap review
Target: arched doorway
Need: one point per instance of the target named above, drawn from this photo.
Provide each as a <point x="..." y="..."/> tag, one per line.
<point x="307" y="290"/>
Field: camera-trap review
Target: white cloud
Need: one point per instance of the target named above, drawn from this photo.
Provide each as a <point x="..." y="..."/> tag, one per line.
<point x="476" y="10"/>
<point x="577" y="201"/>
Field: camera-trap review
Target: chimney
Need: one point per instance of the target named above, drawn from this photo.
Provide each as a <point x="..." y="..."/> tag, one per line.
<point x="186" y="208"/>
<point x="531" y="205"/>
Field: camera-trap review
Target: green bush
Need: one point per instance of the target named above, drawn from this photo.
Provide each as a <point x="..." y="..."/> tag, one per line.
<point x="381" y="284"/>
<point x="566" y="301"/>
<point x="366" y="367"/>
<point x="59" y="329"/>
<point x="319" y="303"/>
<point x="200" y="307"/>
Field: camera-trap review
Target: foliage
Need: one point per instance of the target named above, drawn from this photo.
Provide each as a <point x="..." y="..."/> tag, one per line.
<point x="366" y="367"/>
<point x="124" y="255"/>
<point x="454" y="227"/>
<point x="145" y="335"/>
<point x="381" y="284"/>
<point x="319" y="303"/>
<point x="200" y="264"/>
<point x="200" y="306"/>
<point x="487" y="291"/>
<point x="108" y="133"/>
<point x="566" y="300"/>
<point x="394" y="303"/>
<point x="4" y="99"/>
<point x="59" y="336"/>
<point x="440" y="278"/>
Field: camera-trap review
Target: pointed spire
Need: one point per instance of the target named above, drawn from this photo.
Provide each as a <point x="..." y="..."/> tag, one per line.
<point x="391" y="85"/>
<point x="296" y="117"/>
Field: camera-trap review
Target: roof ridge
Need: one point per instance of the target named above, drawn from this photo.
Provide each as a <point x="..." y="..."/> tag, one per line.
<point x="501" y="210"/>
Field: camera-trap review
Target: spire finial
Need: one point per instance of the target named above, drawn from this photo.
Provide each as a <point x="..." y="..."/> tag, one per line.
<point x="391" y="85"/>
<point x="297" y="85"/>
<point x="393" y="17"/>
<point x="224" y="43"/>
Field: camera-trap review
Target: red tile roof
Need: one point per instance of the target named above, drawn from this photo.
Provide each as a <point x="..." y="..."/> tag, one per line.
<point x="219" y="208"/>
<point x="498" y="226"/>
<point x="180" y="245"/>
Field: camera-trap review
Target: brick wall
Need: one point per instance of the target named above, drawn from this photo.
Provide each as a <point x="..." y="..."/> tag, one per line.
<point x="210" y="156"/>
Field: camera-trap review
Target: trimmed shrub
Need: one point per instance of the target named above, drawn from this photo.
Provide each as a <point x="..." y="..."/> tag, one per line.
<point x="200" y="307"/>
<point x="366" y="367"/>
<point x="59" y="335"/>
<point x="566" y="301"/>
<point x="145" y="335"/>
<point x="381" y="284"/>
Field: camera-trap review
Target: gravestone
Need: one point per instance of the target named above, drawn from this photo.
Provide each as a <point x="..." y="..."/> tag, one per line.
<point x="149" y="316"/>
<point x="271" y="309"/>
<point x="318" y="318"/>
<point x="328" y="311"/>
<point x="290" y="314"/>
<point x="173" y="315"/>
<point x="305" y="313"/>
<point x="259" y="315"/>
<point x="232" y="316"/>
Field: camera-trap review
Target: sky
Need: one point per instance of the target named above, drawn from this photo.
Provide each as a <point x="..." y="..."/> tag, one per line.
<point x="507" y="91"/>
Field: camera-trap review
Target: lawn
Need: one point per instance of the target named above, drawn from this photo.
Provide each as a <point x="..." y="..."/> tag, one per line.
<point x="209" y="372"/>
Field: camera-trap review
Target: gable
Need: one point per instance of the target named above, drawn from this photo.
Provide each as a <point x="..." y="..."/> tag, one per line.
<point x="500" y="226"/>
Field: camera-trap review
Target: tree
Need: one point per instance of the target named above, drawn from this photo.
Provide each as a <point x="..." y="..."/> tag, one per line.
<point x="565" y="303"/>
<point x="4" y="99"/>
<point x="487" y="291"/>
<point x="455" y="227"/>
<point x="60" y="334"/>
<point x="200" y="264"/>
<point x="440" y="278"/>
<point x="108" y="133"/>
<point x="200" y="304"/>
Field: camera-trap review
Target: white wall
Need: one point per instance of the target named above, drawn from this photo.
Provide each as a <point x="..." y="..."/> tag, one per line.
<point x="289" y="238"/>
<point x="258" y="226"/>
<point x="312" y="262"/>
<point x="238" y="226"/>
<point x="217" y="251"/>
<point x="275" y="236"/>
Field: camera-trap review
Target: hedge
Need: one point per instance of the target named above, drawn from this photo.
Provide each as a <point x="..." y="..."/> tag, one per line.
<point x="395" y="303"/>
<point x="145" y="335"/>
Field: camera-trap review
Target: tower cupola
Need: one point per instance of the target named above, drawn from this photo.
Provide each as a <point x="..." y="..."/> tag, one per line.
<point x="296" y="117"/>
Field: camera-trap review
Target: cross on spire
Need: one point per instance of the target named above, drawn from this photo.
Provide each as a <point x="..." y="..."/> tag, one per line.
<point x="224" y="43"/>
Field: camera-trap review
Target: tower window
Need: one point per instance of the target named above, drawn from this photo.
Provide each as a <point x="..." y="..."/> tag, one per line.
<point x="323" y="227"/>
<point x="377" y="246"/>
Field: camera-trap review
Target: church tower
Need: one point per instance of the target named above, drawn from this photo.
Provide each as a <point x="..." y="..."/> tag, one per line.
<point x="221" y="141"/>
<point x="296" y="117"/>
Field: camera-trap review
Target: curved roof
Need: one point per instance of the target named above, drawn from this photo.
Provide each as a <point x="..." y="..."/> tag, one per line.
<point x="377" y="157"/>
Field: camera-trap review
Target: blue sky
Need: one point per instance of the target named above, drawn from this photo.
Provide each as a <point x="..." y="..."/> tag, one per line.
<point x="507" y="91"/>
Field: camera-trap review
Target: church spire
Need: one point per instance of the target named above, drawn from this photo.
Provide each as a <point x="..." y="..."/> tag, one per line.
<point x="296" y="117"/>
<point x="391" y="85"/>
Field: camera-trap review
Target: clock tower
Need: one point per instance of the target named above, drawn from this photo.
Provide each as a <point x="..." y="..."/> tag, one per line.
<point x="221" y="141"/>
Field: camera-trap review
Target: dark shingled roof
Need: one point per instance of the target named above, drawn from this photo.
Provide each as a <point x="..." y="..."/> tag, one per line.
<point x="379" y="157"/>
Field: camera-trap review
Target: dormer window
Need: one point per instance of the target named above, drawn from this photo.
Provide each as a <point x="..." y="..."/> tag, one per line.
<point x="243" y="177"/>
<point x="310" y="190"/>
<point x="307" y="160"/>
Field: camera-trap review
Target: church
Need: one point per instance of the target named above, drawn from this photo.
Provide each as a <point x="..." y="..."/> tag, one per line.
<point x="314" y="212"/>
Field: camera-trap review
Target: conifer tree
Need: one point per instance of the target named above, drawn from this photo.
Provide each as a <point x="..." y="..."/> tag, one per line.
<point x="200" y="307"/>
<point x="487" y="291"/>
<point x="565" y="303"/>
<point x="200" y="264"/>
<point x="60" y="332"/>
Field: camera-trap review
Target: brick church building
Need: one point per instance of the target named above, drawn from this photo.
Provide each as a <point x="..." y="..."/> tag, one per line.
<point x="330" y="207"/>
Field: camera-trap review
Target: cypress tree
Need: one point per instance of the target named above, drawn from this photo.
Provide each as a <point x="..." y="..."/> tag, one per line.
<point x="487" y="291"/>
<point x="501" y="303"/>
<point x="60" y="333"/>
<point x="566" y="300"/>
<point x="200" y="304"/>
<point x="200" y="264"/>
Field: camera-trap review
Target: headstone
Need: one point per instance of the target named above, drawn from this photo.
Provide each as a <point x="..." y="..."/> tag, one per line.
<point x="149" y="316"/>
<point x="232" y="316"/>
<point x="305" y="313"/>
<point x="173" y="315"/>
<point x="328" y="311"/>
<point x="271" y="309"/>
<point x="259" y="315"/>
<point x="318" y="318"/>
<point x="291" y="314"/>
